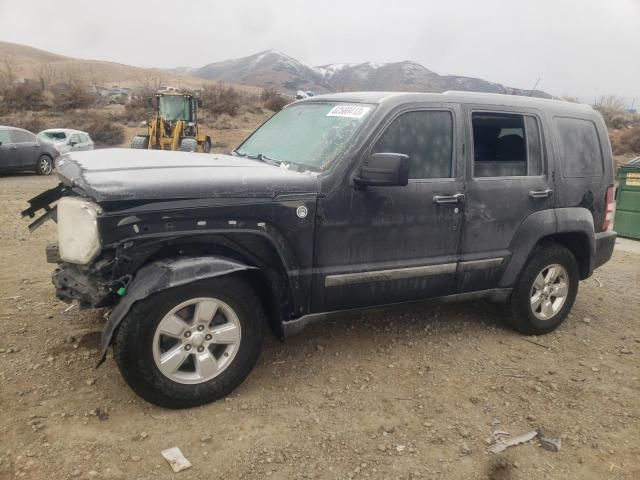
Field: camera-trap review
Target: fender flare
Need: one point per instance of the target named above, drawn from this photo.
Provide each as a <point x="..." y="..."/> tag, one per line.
<point x="161" y="275"/>
<point x="541" y="224"/>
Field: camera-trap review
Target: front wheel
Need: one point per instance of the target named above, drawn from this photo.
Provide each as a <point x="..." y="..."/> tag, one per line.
<point x="188" y="144"/>
<point x="192" y="344"/>
<point x="545" y="292"/>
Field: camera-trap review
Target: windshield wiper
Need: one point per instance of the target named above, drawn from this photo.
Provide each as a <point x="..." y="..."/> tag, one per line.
<point x="260" y="157"/>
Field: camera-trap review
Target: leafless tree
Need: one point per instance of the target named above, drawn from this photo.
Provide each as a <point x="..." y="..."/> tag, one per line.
<point x="8" y="68"/>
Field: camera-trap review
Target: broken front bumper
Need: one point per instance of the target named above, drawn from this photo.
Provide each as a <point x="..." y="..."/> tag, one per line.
<point x="74" y="282"/>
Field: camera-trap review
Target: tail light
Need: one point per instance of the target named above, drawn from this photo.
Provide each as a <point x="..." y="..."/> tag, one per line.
<point x="609" y="209"/>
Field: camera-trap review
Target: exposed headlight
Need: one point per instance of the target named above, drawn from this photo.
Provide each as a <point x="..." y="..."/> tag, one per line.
<point x="78" y="237"/>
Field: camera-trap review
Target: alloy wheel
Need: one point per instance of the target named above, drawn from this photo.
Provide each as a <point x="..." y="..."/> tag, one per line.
<point x="549" y="291"/>
<point x="197" y="340"/>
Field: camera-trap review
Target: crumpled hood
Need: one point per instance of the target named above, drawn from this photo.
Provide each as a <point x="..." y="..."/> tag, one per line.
<point x="129" y="174"/>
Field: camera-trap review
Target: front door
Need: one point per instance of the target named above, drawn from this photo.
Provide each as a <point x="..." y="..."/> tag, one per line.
<point x="381" y="245"/>
<point x="507" y="181"/>
<point x="8" y="151"/>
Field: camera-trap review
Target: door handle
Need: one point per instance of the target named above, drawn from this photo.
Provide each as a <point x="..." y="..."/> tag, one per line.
<point x="456" y="198"/>
<point x="541" y="193"/>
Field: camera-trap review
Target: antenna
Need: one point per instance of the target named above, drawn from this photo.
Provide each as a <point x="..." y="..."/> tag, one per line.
<point x="534" y="87"/>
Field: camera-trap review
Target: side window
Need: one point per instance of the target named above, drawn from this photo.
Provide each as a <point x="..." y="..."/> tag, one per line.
<point x="427" y="137"/>
<point x="580" y="153"/>
<point x="75" y="138"/>
<point x="84" y="138"/>
<point x="5" y="138"/>
<point x="506" y="145"/>
<point x="22" y="137"/>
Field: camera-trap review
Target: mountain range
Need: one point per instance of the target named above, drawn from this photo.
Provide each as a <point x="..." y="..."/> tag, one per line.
<point x="279" y="71"/>
<point x="267" y="69"/>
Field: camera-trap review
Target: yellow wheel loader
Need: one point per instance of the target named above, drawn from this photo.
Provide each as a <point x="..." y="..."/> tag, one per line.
<point x="174" y="125"/>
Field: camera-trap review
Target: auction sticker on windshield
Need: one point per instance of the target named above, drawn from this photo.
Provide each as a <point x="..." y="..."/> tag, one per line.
<point x="348" y="111"/>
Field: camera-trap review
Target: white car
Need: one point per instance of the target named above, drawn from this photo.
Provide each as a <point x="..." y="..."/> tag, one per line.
<point x="67" y="140"/>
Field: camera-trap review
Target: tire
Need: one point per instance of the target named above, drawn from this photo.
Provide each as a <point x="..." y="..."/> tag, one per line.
<point x="45" y="165"/>
<point x="206" y="145"/>
<point x="527" y="308"/>
<point x="140" y="347"/>
<point x="140" y="142"/>
<point x="188" y="144"/>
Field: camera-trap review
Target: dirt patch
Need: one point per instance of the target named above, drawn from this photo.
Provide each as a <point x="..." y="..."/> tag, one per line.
<point x="409" y="393"/>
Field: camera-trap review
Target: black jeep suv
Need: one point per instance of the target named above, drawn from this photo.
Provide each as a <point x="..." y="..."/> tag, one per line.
<point x="337" y="202"/>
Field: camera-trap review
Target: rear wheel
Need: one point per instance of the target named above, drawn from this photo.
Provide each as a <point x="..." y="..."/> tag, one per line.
<point x="140" y="142"/>
<point x="188" y="144"/>
<point x="545" y="291"/>
<point x="191" y="345"/>
<point x="45" y="165"/>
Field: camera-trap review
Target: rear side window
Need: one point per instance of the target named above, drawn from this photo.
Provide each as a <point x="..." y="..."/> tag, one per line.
<point x="23" y="137"/>
<point x="5" y="138"/>
<point x="506" y="145"/>
<point x="427" y="137"/>
<point x="580" y="153"/>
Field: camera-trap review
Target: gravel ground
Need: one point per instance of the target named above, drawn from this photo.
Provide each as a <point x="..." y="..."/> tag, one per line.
<point x="410" y="393"/>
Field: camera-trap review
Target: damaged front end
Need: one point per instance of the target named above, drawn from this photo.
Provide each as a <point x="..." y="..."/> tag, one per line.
<point x="45" y="201"/>
<point x="90" y="284"/>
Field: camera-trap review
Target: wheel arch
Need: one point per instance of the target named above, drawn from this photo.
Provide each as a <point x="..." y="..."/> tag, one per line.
<point x="571" y="227"/>
<point x="161" y="275"/>
<point x="577" y="242"/>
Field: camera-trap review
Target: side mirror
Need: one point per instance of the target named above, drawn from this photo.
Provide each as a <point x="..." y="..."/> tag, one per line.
<point x="0" y="143"/>
<point x="72" y="143"/>
<point x="384" y="170"/>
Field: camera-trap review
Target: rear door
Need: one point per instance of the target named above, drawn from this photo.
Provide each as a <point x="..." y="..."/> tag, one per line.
<point x="87" y="142"/>
<point x="507" y="180"/>
<point x="8" y="151"/>
<point x="28" y="148"/>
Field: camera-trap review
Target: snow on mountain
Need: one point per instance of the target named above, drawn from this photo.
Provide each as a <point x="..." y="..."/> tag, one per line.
<point x="277" y="70"/>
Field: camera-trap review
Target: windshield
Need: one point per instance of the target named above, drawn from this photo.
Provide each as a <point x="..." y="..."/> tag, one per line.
<point x="174" y="107"/>
<point x="310" y="135"/>
<point x="52" y="136"/>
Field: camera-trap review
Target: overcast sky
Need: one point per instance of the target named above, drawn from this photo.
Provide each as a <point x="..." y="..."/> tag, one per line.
<point x="582" y="48"/>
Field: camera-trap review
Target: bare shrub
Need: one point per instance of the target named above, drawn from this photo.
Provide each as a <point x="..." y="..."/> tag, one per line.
<point x="73" y="95"/>
<point x="140" y="107"/>
<point x="23" y="96"/>
<point x="220" y="98"/>
<point x="612" y="110"/>
<point x="34" y="122"/>
<point x="103" y="129"/>
<point x="273" y="101"/>
<point x="630" y="140"/>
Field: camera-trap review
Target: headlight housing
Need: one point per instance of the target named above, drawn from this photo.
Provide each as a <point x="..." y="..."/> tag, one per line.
<point x="78" y="237"/>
